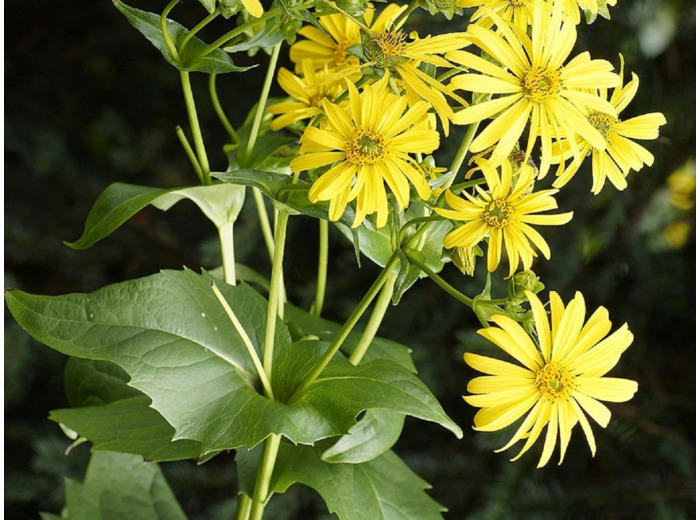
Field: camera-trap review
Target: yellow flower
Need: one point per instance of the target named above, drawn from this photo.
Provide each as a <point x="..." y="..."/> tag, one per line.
<point x="388" y="47"/>
<point x="368" y="146"/>
<point x="560" y="375"/>
<point x="307" y="93"/>
<point x="504" y="214"/>
<point x="517" y="12"/>
<point x="330" y="49"/>
<point x="620" y="153"/>
<point x="535" y="86"/>
<point x="681" y="186"/>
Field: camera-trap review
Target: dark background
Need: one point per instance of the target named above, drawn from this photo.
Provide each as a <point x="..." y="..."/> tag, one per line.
<point x="89" y="102"/>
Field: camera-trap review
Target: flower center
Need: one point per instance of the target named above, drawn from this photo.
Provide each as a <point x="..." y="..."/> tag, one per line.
<point x="365" y="147"/>
<point x="498" y="213"/>
<point x="542" y="83"/>
<point x="604" y="123"/>
<point x="386" y="49"/>
<point x="554" y="382"/>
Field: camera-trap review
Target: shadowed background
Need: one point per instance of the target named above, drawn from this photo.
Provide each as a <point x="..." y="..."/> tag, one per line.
<point x="89" y="102"/>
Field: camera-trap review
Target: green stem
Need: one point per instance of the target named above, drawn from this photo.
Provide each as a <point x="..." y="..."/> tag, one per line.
<point x="416" y="260"/>
<point x="322" y="267"/>
<point x="402" y="17"/>
<point x="228" y="256"/>
<point x="463" y="150"/>
<point x="265" y="226"/>
<point x="166" y="34"/>
<point x="190" y="153"/>
<point x="198" y="28"/>
<point x="375" y="319"/>
<point x="262" y="483"/>
<point x="246" y="341"/>
<point x="196" y="130"/>
<point x="223" y="40"/>
<point x="220" y="111"/>
<point x="244" y="503"/>
<point x="262" y="102"/>
<point x="275" y="291"/>
<point x="347" y="326"/>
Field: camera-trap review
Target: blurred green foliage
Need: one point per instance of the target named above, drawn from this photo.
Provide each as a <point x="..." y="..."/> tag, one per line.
<point x="88" y="102"/>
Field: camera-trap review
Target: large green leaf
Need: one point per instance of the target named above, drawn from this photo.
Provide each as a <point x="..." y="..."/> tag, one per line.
<point x="118" y="486"/>
<point x="191" y="57"/>
<point x="381" y="489"/>
<point x="221" y="203"/>
<point x="128" y="426"/>
<point x="173" y="338"/>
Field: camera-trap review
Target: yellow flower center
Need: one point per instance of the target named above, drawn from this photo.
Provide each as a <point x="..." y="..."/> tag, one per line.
<point x="386" y="49"/>
<point x="365" y="147"/>
<point x="497" y="213"/>
<point x="542" y="83"/>
<point x="554" y="382"/>
<point x="604" y="123"/>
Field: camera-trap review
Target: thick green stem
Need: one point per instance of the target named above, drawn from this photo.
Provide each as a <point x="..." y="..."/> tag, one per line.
<point x="196" y="130"/>
<point x="322" y="267"/>
<point x="220" y="111"/>
<point x="244" y="503"/>
<point x="375" y="319"/>
<point x="264" y="219"/>
<point x="262" y="102"/>
<point x="275" y="291"/>
<point x="228" y="255"/>
<point x="348" y="326"/>
<point x="463" y="149"/>
<point x="262" y="483"/>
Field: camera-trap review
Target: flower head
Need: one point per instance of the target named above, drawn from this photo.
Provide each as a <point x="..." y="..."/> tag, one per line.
<point x="368" y="146"/>
<point x="620" y="153"/>
<point x="504" y="214"/>
<point x="533" y="85"/>
<point x="307" y="91"/>
<point x="517" y="12"/>
<point x="558" y="378"/>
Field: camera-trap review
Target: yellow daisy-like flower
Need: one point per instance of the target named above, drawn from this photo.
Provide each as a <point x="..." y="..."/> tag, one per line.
<point x="388" y="47"/>
<point x="330" y="49"/>
<point x="620" y="153"/>
<point x="368" y="146"/>
<point x="535" y="86"/>
<point x="560" y="375"/>
<point x="308" y="92"/>
<point x="517" y="12"/>
<point x="504" y="214"/>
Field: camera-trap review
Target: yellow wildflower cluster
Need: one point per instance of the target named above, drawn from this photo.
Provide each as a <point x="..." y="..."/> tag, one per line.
<point x="372" y="94"/>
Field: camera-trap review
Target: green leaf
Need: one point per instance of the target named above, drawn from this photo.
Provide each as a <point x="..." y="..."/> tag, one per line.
<point x="376" y="432"/>
<point x="383" y="488"/>
<point x="209" y="5"/>
<point x="191" y="57"/>
<point x="171" y="335"/>
<point x="119" y="202"/>
<point x="119" y="486"/>
<point x="128" y="426"/>
<point x="94" y="383"/>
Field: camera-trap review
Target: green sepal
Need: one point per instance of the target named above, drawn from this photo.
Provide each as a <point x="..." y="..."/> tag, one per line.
<point x="191" y="57"/>
<point x="119" y="202"/>
<point x="384" y="487"/>
<point x="119" y="485"/>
